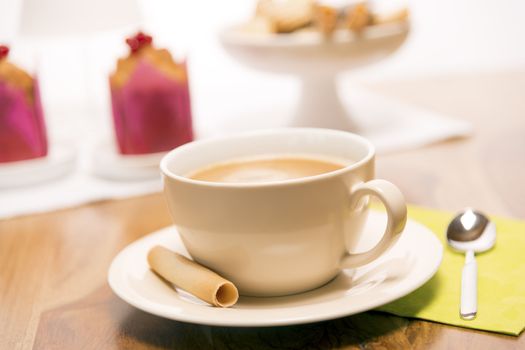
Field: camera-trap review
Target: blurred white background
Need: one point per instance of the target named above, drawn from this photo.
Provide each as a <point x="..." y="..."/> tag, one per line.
<point x="447" y="37"/>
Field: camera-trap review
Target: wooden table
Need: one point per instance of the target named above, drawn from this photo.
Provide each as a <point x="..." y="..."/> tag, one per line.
<point x="53" y="289"/>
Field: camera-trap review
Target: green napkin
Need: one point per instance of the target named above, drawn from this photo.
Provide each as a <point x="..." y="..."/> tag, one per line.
<point x="501" y="280"/>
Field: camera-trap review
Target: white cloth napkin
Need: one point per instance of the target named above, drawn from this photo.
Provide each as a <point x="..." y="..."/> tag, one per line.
<point x="389" y="124"/>
<point x="76" y="188"/>
<point x="393" y="126"/>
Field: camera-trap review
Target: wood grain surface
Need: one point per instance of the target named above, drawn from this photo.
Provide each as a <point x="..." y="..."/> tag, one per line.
<point x="53" y="267"/>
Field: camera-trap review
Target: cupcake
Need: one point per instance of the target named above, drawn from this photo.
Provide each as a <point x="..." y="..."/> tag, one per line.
<point x="150" y="99"/>
<point x="22" y="128"/>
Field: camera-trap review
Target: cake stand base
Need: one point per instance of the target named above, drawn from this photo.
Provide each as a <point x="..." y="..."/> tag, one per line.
<point x="320" y="106"/>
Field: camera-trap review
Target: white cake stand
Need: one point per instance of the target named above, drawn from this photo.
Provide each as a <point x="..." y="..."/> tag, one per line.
<point x="316" y="61"/>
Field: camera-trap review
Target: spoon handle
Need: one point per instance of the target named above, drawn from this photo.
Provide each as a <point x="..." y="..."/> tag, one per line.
<point x="469" y="288"/>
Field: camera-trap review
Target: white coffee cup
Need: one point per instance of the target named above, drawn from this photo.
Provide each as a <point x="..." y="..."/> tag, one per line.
<point x="281" y="237"/>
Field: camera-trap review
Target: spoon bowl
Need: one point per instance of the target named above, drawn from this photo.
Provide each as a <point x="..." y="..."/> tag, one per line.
<point x="469" y="232"/>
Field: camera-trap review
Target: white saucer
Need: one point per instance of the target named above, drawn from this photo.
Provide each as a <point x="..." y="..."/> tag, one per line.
<point x="59" y="161"/>
<point x="409" y="264"/>
<point x="107" y="163"/>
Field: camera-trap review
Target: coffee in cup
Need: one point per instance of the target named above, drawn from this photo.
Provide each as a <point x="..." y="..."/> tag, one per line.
<point x="266" y="168"/>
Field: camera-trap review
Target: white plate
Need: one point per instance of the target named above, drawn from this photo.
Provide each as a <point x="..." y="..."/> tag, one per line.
<point x="59" y="161"/>
<point x="107" y="163"/>
<point x="235" y="35"/>
<point x="309" y="54"/>
<point x="409" y="264"/>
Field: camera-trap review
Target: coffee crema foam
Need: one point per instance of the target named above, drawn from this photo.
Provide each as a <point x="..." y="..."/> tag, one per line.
<point x="266" y="169"/>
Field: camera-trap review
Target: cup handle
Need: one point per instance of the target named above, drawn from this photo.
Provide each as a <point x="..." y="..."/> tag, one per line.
<point x="396" y="209"/>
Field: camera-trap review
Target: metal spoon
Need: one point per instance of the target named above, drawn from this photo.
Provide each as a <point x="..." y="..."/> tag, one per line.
<point x="470" y="231"/>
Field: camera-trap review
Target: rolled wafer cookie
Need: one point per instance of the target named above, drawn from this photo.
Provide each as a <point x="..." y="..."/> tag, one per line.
<point x="192" y="277"/>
